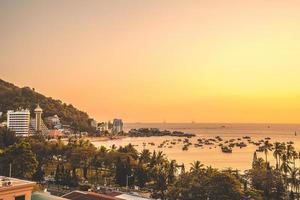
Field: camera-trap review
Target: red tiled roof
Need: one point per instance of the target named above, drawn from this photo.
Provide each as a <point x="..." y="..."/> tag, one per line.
<point x="55" y="133"/>
<point x="78" y="195"/>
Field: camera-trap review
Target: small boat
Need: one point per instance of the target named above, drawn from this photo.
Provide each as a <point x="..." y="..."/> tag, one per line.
<point x="226" y="149"/>
<point x="185" y="148"/>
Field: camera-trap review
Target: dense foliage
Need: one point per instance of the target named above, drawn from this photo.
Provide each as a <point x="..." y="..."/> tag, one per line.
<point x="76" y="162"/>
<point x="13" y="97"/>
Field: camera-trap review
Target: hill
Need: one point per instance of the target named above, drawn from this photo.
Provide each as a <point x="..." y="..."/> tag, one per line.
<point x="13" y="97"/>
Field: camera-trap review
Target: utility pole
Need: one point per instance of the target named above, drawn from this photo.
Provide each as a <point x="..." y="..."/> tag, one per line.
<point x="127" y="182"/>
<point x="127" y="177"/>
<point x="9" y="169"/>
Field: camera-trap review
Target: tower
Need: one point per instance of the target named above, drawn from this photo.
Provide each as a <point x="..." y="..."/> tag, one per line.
<point x="38" y="118"/>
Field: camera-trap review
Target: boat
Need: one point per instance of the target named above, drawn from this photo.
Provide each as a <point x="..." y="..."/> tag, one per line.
<point x="185" y="148"/>
<point x="226" y="149"/>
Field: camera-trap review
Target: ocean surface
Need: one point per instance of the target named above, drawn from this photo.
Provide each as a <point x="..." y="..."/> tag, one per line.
<point x="211" y="155"/>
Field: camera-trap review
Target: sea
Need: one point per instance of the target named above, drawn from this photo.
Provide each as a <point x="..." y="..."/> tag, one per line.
<point x="211" y="155"/>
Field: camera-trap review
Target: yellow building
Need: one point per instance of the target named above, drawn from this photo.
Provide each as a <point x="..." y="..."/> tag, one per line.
<point x="15" y="189"/>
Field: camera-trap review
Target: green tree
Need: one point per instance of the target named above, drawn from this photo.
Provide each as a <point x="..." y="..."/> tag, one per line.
<point x="267" y="146"/>
<point x="23" y="161"/>
<point x="7" y="138"/>
<point x="278" y="151"/>
<point x="196" y="167"/>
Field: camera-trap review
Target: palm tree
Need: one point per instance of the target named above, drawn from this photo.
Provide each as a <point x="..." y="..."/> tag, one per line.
<point x="113" y="148"/>
<point x="210" y="170"/>
<point x="290" y="151"/>
<point x="161" y="182"/>
<point x="267" y="147"/>
<point x="160" y="157"/>
<point x="196" y="167"/>
<point x="293" y="180"/>
<point x="285" y="168"/>
<point x="294" y="156"/>
<point x="299" y="155"/>
<point x="278" y="150"/>
<point x="259" y="163"/>
<point x="145" y="155"/>
<point x="285" y="165"/>
<point x="171" y="170"/>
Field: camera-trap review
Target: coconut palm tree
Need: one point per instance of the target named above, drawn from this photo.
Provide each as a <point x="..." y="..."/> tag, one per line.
<point x="171" y="170"/>
<point x="278" y="150"/>
<point x="293" y="179"/>
<point x="290" y="151"/>
<point x="161" y="182"/>
<point x="285" y="168"/>
<point x="267" y="146"/>
<point x="145" y="155"/>
<point x="113" y="148"/>
<point x="294" y="157"/>
<point x="160" y="157"/>
<point x="285" y="165"/>
<point x="196" y="167"/>
<point x="259" y="163"/>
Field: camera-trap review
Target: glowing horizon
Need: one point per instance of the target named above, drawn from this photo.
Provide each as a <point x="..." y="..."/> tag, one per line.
<point x="178" y="61"/>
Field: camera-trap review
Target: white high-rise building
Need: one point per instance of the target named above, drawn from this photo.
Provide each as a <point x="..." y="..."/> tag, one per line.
<point x="117" y="126"/>
<point x="18" y="121"/>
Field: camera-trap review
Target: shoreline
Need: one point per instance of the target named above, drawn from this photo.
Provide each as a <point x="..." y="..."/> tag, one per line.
<point x="104" y="138"/>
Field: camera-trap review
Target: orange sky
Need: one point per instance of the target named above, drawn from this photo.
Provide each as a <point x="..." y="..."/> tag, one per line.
<point x="149" y="61"/>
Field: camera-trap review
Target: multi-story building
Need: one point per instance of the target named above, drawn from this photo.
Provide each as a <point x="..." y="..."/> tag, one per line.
<point x="94" y="123"/>
<point x="15" y="189"/>
<point x="117" y="126"/>
<point x="53" y="122"/>
<point x="37" y="124"/>
<point x="102" y="126"/>
<point x="38" y="118"/>
<point x="18" y="121"/>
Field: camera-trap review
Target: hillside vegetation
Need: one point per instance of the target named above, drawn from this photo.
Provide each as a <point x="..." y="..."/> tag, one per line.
<point x="13" y="97"/>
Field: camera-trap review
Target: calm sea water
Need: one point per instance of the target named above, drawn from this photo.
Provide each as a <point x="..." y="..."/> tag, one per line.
<point x="212" y="155"/>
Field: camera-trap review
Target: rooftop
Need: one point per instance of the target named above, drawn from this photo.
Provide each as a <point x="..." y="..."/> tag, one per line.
<point x="131" y="197"/>
<point x="38" y="109"/>
<point x="79" y="195"/>
<point x="45" y="196"/>
<point x="7" y="183"/>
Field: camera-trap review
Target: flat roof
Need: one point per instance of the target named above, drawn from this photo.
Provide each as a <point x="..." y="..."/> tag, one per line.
<point x="80" y="195"/>
<point x="45" y="196"/>
<point x="8" y="183"/>
<point x="131" y="197"/>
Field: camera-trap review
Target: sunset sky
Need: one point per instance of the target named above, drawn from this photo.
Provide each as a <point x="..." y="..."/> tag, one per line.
<point x="150" y="61"/>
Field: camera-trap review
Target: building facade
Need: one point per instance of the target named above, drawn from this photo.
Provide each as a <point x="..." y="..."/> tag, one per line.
<point x="18" y="121"/>
<point x="94" y="123"/>
<point x="53" y="122"/>
<point x="15" y="189"/>
<point x="37" y="124"/>
<point x="117" y="126"/>
<point x="38" y="118"/>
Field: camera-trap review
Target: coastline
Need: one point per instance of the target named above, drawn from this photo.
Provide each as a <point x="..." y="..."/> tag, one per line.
<point x="104" y="138"/>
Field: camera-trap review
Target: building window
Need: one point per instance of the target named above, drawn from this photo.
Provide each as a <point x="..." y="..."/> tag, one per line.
<point x="20" y="197"/>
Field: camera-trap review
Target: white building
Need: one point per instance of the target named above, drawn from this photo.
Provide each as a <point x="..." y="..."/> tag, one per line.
<point x="37" y="124"/>
<point x="103" y="126"/>
<point x="18" y="121"/>
<point x="38" y="118"/>
<point x="117" y="126"/>
<point x="94" y="123"/>
<point x="54" y="122"/>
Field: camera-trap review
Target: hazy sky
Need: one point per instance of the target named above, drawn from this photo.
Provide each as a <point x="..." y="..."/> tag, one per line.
<point x="149" y="61"/>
